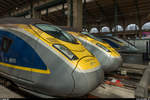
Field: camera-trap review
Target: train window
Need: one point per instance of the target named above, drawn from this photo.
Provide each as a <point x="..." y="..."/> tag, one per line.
<point x="57" y="32"/>
<point x="114" y="45"/>
<point x="6" y="43"/>
<point x="96" y="38"/>
<point x="115" y="39"/>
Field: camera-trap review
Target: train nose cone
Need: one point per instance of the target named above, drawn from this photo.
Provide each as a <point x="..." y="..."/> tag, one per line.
<point x="113" y="64"/>
<point x="87" y="80"/>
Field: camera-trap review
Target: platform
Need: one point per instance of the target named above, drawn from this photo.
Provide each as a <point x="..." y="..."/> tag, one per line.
<point x="6" y="93"/>
<point x="112" y="92"/>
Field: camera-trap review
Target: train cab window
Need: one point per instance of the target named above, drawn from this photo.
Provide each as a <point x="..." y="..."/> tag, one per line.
<point x="6" y="43"/>
<point x="96" y="38"/>
<point x="56" y="32"/>
<point x="114" y="45"/>
<point x="115" y="39"/>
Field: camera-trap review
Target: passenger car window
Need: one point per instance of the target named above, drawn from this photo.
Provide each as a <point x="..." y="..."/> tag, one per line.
<point x="6" y="43"/>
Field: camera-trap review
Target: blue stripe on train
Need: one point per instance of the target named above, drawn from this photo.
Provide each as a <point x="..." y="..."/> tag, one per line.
<point x="24" y="54"/>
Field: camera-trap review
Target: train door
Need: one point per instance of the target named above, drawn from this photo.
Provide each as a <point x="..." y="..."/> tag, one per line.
<point x="1" y="52"/>
<point x="5" y="44"/>
<point x="13" y="51"/>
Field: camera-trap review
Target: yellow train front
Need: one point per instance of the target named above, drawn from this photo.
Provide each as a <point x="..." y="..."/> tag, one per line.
<point x="45" y="60"/>
<point x="108" y="56"/>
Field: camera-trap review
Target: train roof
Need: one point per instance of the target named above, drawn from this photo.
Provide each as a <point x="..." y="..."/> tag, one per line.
<point x="21" y="20"/>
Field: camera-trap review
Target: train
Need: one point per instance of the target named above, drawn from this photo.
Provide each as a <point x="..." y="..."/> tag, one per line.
<point x="45" y="60"/>
<point x="108" y="56"/>
<point x="122" y="46"/>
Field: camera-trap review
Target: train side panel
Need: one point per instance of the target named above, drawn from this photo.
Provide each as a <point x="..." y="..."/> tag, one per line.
<point x="60" y="72"/>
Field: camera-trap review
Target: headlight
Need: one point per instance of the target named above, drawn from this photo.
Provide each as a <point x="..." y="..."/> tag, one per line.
<point x="101" y="46"/>
<point x="65" y="51"/>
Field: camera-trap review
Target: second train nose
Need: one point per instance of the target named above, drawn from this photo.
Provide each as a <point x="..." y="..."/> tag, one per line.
<point x="88" y="77"/>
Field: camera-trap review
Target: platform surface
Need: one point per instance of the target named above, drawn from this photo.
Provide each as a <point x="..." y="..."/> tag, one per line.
<point x="112" y="92"/>
<point x="100" y="92"/>
<point x="6" y="93"/>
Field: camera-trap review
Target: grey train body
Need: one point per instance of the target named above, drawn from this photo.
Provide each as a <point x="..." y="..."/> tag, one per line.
<point x="109" y="63"/>
<point x="64" y="79"/>
<point x="128" y="48"/>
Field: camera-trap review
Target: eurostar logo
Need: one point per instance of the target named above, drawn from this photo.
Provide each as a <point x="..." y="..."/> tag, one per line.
<point x="88" y="60"/>
<point x="92" y="63"/>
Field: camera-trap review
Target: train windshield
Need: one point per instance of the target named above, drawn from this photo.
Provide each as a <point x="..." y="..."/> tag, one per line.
<point x="115" y="39"/>
<point x="129" y="43"/>
<point x="56" y="32"/>
<point x="96" y="38"/>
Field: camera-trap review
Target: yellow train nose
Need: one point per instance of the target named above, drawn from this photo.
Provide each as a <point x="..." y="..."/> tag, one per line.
<point x="87" y="76"/>
<point x="88" y="64"/>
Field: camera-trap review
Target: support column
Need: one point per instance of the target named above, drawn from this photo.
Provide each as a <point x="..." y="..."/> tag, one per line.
<point x="9" y="14"/>
<point x="47" y="12"/>
<point x="138" y="19"/>
<point x="110" y="27"/>
<point x="124" y="31"/>
<point x="70" y="13"/>
<point x="84" y="14"/>
<point x="63" y="8"/>
<point x="115" y="16"/>
<point x="34" y="13"/>
<point x="75" y="14"/>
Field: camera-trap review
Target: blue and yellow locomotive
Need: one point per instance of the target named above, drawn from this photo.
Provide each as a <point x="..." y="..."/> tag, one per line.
<point x="46" y="60"/>
<point x="108" y="56"/>
<point x="122" y="46"/>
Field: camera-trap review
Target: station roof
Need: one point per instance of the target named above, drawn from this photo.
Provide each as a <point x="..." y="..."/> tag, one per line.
<point x="96" y="11"/>
<point x="21" y="20"/>
<point x="104" y="10"/>
<point x="8" y="5"/>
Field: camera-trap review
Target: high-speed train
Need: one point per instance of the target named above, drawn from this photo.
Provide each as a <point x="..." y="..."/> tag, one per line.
<point x="109" y="57"/>
<point x="45" y="60"/>
<point x="122" y="46"/>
